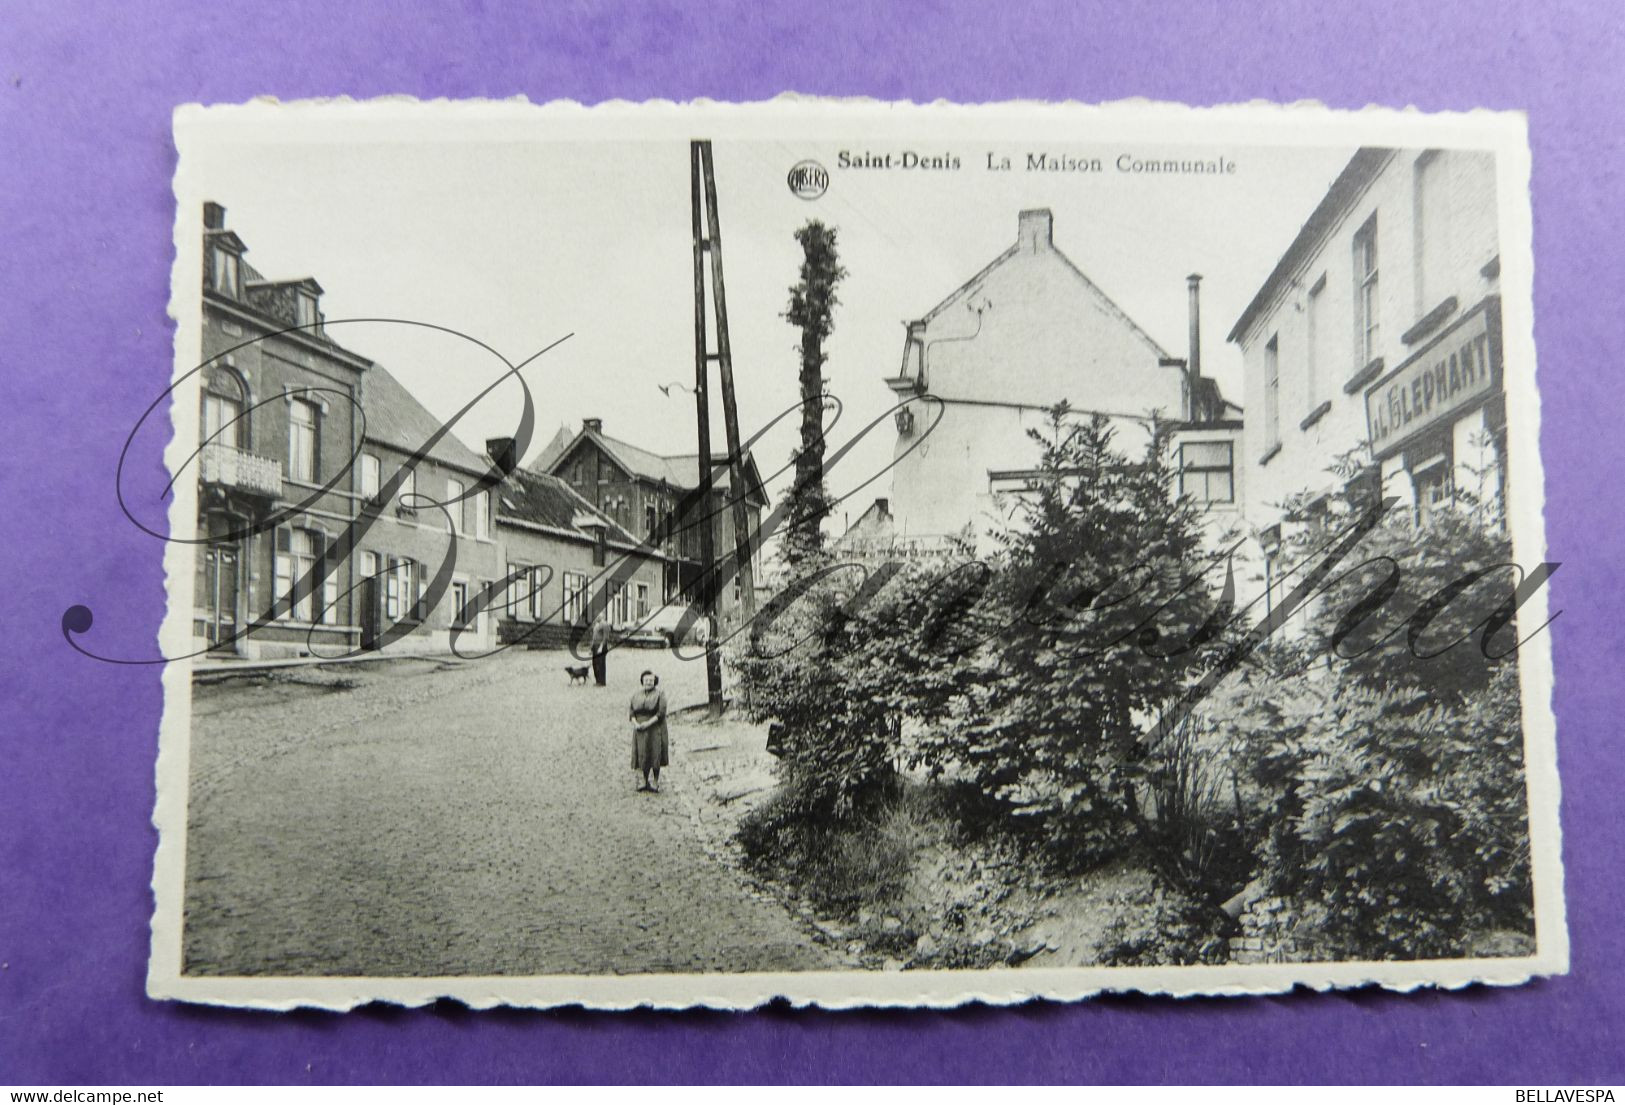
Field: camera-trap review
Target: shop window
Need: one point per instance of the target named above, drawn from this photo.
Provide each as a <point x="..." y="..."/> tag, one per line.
<point x="1431" y="481"/>
<point x="1207" y="471"/>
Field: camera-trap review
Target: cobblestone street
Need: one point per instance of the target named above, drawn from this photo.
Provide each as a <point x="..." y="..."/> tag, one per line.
<point x="419" y="817"/>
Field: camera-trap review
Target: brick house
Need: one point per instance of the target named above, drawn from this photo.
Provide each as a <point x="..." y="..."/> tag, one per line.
<point x="1379" y="330"/>
<point x="654" y="497"/>
<point x="568" y="561"/>
<point x="278" y="424"/>
<point x="404" y="548"/>
<point x="286" y="474"/>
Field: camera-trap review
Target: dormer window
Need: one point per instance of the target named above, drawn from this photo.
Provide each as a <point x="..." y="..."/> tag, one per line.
<point x="226" y="277"/>
<point x="305" y="310"/>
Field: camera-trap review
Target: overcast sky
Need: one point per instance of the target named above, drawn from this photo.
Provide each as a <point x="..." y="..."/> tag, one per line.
<point x="519" y="242"/>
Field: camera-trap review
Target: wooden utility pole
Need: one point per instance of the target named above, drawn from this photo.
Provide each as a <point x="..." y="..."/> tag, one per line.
<point x="708" y="239"/>
<point x="702" y="407"/>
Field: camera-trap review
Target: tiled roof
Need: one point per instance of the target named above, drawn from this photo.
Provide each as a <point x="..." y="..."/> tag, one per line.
<point x="544" y="500"/>
<point x="396" y="419"/>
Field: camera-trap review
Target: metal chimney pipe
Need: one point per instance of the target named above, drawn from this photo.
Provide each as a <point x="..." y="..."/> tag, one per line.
<point x="1194" y="364"/>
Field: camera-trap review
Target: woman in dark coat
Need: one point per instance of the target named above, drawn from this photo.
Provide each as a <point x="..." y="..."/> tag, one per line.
<point x="650" y="752"/>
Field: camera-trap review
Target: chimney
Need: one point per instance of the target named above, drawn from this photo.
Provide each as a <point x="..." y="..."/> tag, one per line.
<point x="594" y="424"/>
<point x="214" y="216"/>
<point x="501" y="452"/>
<point x="1193" y="365"/>
<point x="1035" y="230"/>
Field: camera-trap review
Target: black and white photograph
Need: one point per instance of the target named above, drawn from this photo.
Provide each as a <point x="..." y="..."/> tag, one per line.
<point x="860" y="554"/>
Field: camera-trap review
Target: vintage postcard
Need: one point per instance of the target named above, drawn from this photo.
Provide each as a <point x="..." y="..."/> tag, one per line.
<point x="861" y="554"/>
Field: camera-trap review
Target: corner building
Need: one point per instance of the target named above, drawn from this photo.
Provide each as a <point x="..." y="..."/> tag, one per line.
<point x="279" y="420"/>
<point x="1378" y="334"/>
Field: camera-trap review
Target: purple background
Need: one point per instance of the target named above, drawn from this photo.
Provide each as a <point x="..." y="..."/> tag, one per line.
<point x="85" y="251"/>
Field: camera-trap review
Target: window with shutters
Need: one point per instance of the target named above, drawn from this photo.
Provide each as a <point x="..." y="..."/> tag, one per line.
<point x="575" y="598"/>
<point x="538" y="593"/>
<point x="518" y="586"/>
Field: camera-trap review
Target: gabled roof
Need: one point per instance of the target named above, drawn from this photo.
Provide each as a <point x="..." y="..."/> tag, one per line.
<point x="539" y="499"/>
<point x="221" y="236"/>
<point x="1089" y="286"/>
<point x="396" y="419"/>
<point x="1343" y="194"/>
<point x="681" y="471"/>
<point x="553" y="450"/>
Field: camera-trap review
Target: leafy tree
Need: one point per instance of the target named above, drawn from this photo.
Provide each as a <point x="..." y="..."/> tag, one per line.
<point x="812" y="308"/>
<point x="1101" y="595"/>
<point x="1033" y="678"/>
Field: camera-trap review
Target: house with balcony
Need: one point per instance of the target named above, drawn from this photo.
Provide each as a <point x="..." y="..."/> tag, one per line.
<point x="657" y="498"/>
<point x="278" y="422"/>
<point x="299" y="554"/>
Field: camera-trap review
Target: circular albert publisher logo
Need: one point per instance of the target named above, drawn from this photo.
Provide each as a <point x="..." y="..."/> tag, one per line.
<point x="808" y="179"/>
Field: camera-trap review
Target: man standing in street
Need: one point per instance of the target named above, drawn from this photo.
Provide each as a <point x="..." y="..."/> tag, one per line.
<point x="600" y="648"/>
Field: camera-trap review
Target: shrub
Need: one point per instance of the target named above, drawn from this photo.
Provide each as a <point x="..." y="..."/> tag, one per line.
<point x="1392" y="784"/>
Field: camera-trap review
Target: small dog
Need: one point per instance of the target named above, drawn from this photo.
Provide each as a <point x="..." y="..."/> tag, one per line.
<point x="578" y="675"/>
